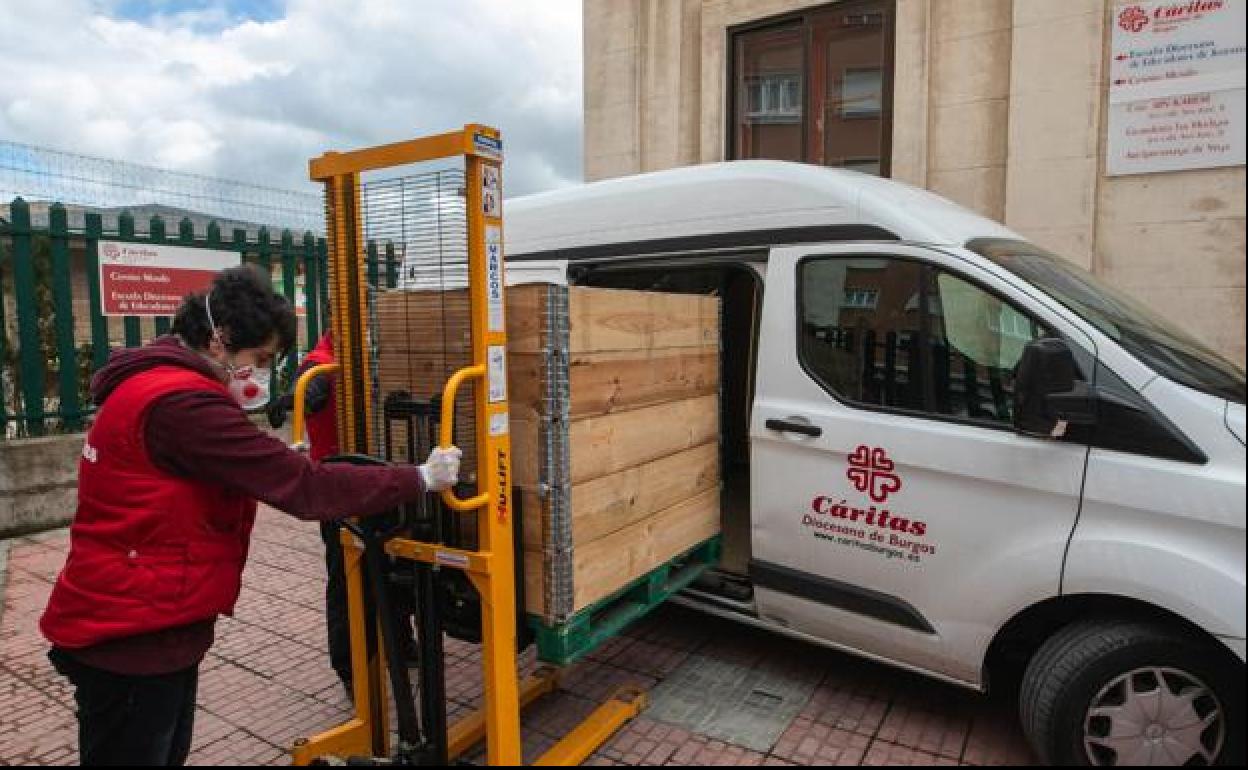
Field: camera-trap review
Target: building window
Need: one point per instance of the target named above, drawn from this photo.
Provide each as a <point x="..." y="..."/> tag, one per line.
<point x="774" y="98"/>
<point x="861" y="92"/>
<point x="861" y="299"/>
<point x="816" y="87"/>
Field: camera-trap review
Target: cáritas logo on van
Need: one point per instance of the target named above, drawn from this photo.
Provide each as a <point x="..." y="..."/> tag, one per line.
<point x="870" y="528"/>
<point x="881" y="518"/>
<point x="871" y="471"/>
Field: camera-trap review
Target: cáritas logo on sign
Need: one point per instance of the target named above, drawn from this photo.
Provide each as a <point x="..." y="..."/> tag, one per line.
<point x="128" y="254"/>
<point x="1133" y="18"/>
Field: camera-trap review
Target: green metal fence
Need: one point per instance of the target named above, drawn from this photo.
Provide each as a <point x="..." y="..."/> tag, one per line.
<point x="52" y="341"/>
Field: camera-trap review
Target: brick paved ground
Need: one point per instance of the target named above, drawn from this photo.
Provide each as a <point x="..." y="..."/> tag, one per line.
<point x="266" y="681"/>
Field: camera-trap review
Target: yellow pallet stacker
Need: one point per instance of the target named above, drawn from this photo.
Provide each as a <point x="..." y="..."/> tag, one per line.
<point x="490" y="568"/>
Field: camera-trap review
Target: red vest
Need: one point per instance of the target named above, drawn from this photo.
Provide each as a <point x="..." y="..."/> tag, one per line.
<point x="322" y="426"/>
<point x="148" y="550"/>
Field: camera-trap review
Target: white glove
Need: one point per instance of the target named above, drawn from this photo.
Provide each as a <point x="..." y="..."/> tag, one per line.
<point x="441" y="470"/>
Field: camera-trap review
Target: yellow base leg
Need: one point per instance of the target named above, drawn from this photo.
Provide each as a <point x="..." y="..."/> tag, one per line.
<point x="346" y="740"/>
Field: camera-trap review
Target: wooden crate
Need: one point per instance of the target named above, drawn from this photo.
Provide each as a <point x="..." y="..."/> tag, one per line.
<point x="614" y="404"/>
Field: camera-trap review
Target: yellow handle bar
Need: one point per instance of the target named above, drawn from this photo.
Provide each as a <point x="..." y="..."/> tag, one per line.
<point x="301" y="395"/>
<point x="446" y="434"/>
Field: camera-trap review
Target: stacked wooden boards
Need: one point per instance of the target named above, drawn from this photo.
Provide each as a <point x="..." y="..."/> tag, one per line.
<point x="422" y="338"/>
<point x="614" y="421"/>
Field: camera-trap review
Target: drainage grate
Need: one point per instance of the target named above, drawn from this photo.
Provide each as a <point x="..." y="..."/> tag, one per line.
<point x="745" y="705"/>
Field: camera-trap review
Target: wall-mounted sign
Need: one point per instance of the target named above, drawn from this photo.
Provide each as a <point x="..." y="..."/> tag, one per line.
<point x="1176" y="91"/>
<point x="143" y="279"/>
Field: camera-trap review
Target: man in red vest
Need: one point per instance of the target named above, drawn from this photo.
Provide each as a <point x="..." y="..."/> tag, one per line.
<point x="320" y="422"/>
<point x="319" y="405"/>
<point x="168" y="482"/>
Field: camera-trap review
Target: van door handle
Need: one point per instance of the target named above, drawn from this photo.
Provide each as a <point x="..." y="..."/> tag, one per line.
<point x="789" y="426"/>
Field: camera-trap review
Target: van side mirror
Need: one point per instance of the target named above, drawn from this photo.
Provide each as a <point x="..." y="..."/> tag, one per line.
<point x="1048" y="392"/>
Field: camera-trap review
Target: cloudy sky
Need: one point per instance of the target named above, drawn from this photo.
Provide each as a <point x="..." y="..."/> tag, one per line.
<point x="250" y="89"/>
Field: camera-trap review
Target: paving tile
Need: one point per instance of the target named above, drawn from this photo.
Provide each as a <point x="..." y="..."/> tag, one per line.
<point x="532" y="746"/>
<point x="678" y="628"/>
<point x="700" y="750"/>
<point x="886" y="754"/>
<point x="933" y="722"/>
<point x="611" y="648"/>
<point x="851" y="701"/>
<point x="644" y="657"/>
<point x="238" y="748"/>
<point x="33" y="726"/>
<point x="598" y="760"/>
<point x="597" y="682"/>
<point x="996" y="738"/>
<point x="807" y="742"/>
<point x="557" y="714"/>
<point x="645" y="741"/>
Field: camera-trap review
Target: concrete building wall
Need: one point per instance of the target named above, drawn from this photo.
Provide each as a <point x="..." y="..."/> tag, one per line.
<point x="1054" y="124"/>
<point x="39" y="480"/>
<point x="998" y="104"/>
<point x="38" y="483"/>
<point x="969" y="101"/>
<point x="644" y="113"/>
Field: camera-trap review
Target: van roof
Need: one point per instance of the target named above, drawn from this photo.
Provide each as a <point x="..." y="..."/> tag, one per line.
<point x="744" y="196"/>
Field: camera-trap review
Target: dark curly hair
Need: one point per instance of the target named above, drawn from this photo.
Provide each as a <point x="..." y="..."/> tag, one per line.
<point x="246" y="310"/>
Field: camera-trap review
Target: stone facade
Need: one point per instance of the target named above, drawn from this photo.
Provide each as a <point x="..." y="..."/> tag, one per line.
<point x="998" y="104"/>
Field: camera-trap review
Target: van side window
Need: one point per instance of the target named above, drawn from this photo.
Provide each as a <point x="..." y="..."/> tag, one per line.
<point x="898" y="334"/>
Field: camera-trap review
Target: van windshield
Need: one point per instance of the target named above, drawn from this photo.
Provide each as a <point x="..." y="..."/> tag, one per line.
<point x="1150" y="338"/>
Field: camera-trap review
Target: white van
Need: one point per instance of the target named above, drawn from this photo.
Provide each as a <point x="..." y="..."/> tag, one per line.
<point x="946" y="449"/>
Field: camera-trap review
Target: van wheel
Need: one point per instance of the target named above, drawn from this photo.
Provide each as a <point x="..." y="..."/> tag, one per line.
<point x="1132" y="693"/>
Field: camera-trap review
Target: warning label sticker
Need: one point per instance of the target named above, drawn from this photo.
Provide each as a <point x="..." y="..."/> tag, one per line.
<point x="496" y="357"/>
<point x="498" y="424"/>
<point x="491" y="191"/>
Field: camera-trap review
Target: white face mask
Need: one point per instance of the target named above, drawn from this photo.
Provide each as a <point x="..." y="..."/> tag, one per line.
<point x="249" y="385"/>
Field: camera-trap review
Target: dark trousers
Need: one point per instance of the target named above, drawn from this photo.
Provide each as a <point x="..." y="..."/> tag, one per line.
<point x="337" y="624"/>
<point x="131" y="720"/>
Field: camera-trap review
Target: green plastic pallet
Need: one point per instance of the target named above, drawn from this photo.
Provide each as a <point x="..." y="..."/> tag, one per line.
<point x="585" y="631"/>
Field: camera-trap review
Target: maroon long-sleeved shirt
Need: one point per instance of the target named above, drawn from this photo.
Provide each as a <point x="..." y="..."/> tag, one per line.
<point x="205" y="436"/>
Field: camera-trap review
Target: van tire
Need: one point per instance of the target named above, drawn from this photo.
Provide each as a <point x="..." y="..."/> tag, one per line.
<point x="1074" y="665"/>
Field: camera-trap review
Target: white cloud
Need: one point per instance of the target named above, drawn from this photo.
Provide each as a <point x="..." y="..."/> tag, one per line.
<point x="253" y="101"/>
